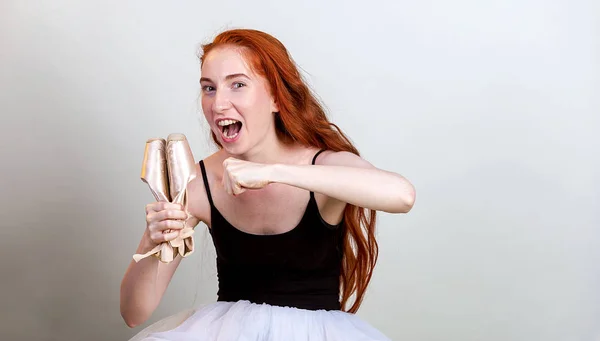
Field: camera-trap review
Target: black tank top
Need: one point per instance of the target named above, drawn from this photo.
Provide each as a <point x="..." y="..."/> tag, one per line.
<point x="300" y="268"/>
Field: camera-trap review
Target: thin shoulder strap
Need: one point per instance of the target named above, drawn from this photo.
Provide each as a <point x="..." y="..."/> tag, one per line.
<point x="312" y="194"/>
<point x="317" y="154"/>
<point x="205" y="179"/>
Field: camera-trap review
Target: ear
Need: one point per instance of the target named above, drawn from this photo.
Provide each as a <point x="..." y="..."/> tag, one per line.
<point x="274" y="106"/>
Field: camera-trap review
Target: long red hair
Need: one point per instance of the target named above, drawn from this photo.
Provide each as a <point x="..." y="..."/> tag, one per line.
<point x="301" y="119"/>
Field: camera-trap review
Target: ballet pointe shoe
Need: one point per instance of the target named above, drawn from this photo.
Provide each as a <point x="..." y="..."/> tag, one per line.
<point x="181" y="165"/>
<point x="154" y="169"/>
<point x="167" y="168"/>
<point x="182" y="170"/>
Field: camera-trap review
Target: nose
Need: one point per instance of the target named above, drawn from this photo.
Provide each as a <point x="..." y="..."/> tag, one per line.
<point x="221" y="102"/>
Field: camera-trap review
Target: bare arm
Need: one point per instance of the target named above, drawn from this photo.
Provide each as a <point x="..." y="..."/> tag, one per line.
<point x="339" y="178"/>
<point x="144" y="284"/>
<point x="146" y="281"/>
<point x="347" y="178"/>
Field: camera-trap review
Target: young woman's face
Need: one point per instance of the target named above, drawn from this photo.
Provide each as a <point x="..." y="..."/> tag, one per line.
<point x="236" y="102"/>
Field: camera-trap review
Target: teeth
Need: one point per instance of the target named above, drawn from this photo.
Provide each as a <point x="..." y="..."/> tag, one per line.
<point x="230" y="136"/>
<point x="226" y="122"/>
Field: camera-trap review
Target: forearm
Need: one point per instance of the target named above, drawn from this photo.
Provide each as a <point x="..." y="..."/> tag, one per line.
<point x="144" y="284"/>
<point x="370" y="187"/>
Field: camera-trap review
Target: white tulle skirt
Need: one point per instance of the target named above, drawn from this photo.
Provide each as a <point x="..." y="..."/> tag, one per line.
<point x="241" y="321"/>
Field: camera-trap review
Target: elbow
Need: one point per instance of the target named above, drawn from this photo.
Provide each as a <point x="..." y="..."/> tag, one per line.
<point x="131" y="320"/>
<point x="405" y="202"/>
<point x="133" y="316"/>
<point x="128" y="318"/>
<point x="130" y="323"/>
<point x="409" y="203"/>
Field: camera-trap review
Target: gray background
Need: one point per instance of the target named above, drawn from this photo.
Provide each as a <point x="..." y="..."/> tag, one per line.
<point x="490" y="108"/>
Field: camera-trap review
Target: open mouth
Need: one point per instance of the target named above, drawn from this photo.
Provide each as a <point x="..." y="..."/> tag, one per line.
<point x="230" y="128"/>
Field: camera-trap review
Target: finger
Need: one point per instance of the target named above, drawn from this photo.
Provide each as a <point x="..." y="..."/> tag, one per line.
<point x="161" y="206"/>
<point x="151" y="208"/>
<point x="171" y="225"/>
<point x="156" y="217"/>
<point x="170" y="214"/>
<point x="234" y="187"/>
<point x="160" y="237"/>
<point x="238" y="189"/>
<point x="150" y="217"/>
<point x="231" y="184"/>
<point x="170" y="236"/>
<point x="170" y="206"/>
<point x="227" y="183"/>
<point x="166" y="226"/>
<point x="229" y="188"/>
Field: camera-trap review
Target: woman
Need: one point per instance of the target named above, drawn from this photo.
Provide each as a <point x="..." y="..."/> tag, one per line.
<point x="289" y="203"/>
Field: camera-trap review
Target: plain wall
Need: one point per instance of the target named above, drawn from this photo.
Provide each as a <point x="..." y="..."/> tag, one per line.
<point x="490" y="108"/>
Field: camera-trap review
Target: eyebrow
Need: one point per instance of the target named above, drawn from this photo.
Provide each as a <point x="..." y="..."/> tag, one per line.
<point x="228" y="77"/>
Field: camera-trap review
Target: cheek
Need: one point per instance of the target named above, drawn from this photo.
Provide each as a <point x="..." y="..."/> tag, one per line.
<point x="258" y="118"/>
<point x="261" y="109"/>
<point x="255" y="109"/>
<point x="206" y="103"/>
<point x="207" y="109"/>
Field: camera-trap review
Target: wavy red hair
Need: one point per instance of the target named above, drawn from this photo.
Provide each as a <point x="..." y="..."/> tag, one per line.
<point x="302" y="119"/>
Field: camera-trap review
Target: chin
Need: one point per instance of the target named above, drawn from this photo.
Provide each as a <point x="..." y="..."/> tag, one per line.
<point x="233" y="151"/>
<point x="235" y="148"/>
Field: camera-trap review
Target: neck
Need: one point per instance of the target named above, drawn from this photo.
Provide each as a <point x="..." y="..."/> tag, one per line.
<point x="269" y="150"/>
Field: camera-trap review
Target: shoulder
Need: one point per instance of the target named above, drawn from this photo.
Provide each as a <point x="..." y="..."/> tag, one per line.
<point x="198" y="203"/>
<point x="332" y="158"/>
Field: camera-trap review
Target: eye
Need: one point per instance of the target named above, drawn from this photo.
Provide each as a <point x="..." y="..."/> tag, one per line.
<point x="238" y="85"/>
<point x="208" y="88"/>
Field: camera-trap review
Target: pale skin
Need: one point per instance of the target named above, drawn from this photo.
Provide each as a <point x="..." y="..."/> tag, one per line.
<point x="258" y="183"/>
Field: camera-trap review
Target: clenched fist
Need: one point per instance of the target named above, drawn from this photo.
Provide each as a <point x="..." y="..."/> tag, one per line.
<point x="239" y="175"/>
